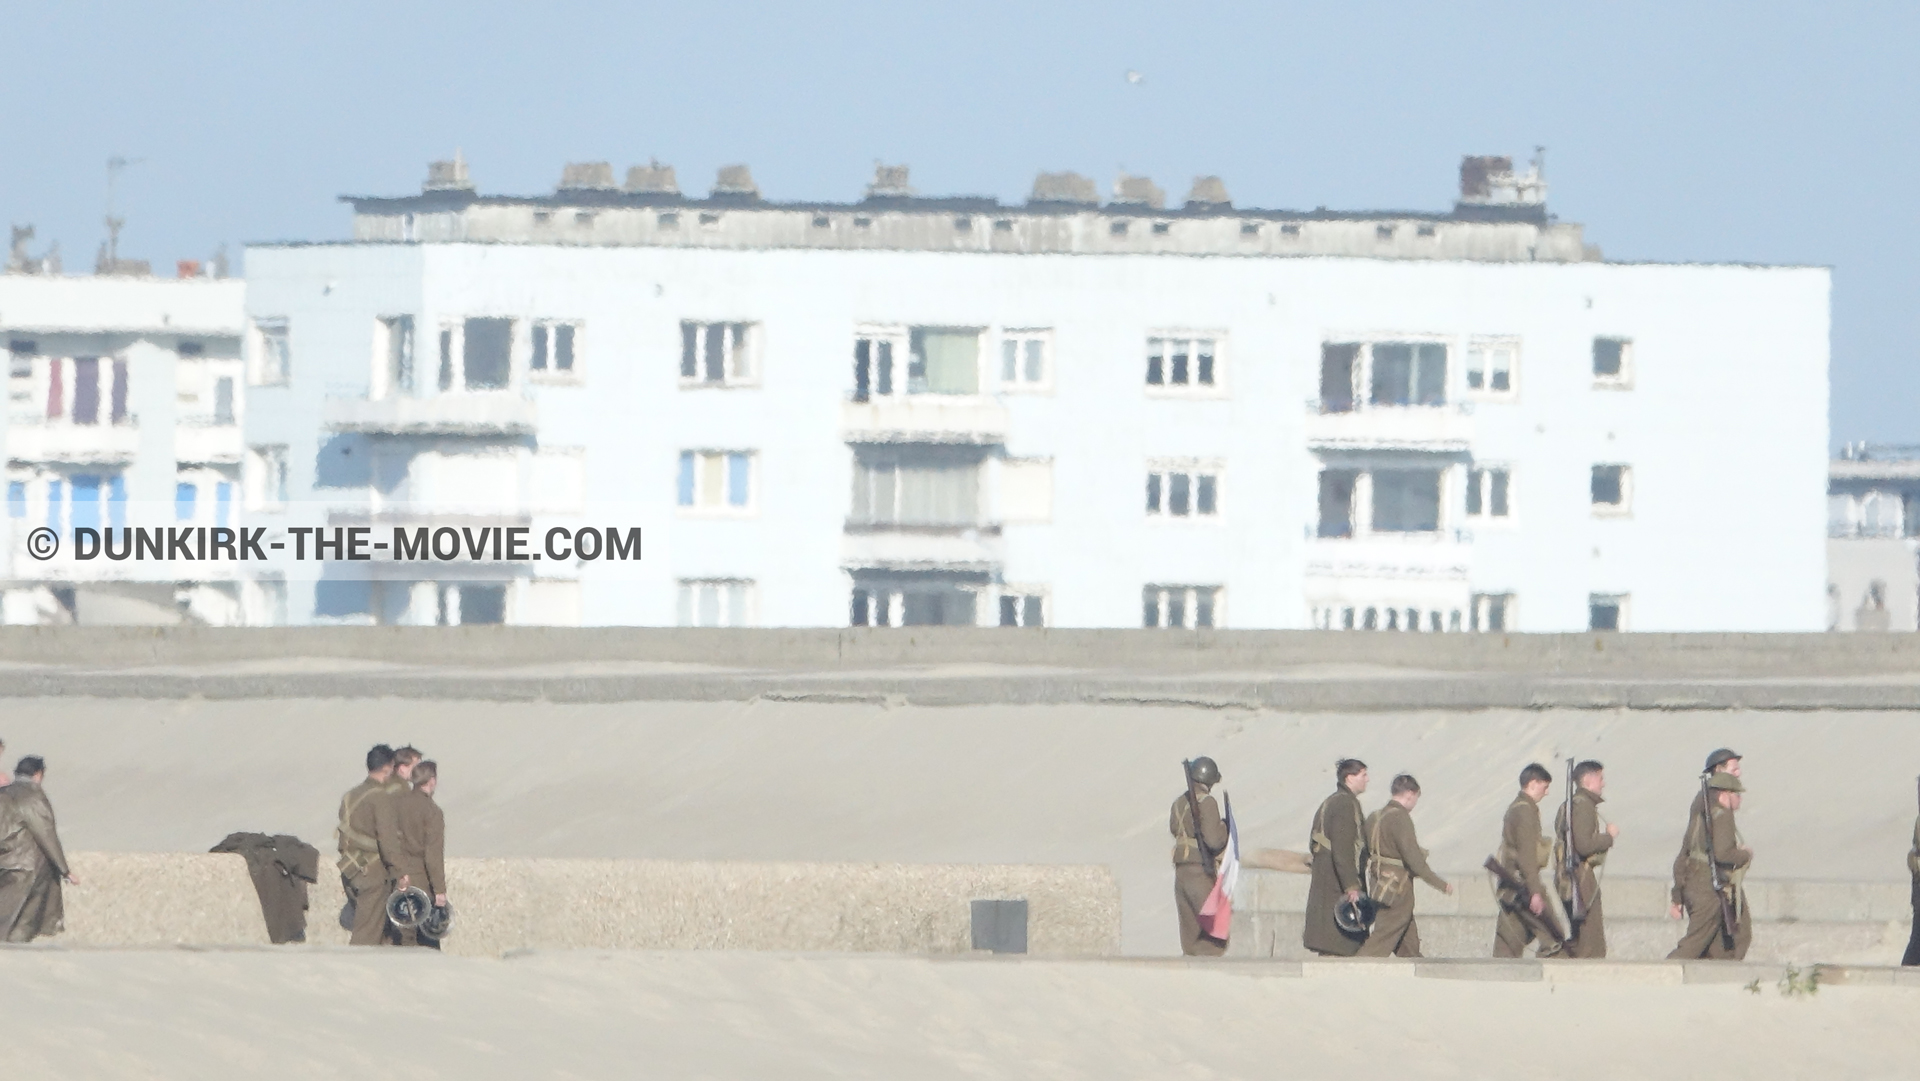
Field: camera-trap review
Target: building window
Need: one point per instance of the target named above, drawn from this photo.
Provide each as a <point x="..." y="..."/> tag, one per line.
<point x="554" y="346"/>
<point x="445" y="377"/>
<point x="1613" y="363"/>
<point x="486" y="353"/>
<point x="393" y="353"/>
<point x="1490" y="367"/>
<point x="1020" y="609"/>
<point x="267" y="477"/>
<point x="272" y="353"/>
<point x="717" y="354"/>
<point x="719" y="602"/>
<point x="1025" y="363"/>
<point x="1183" y="492"/>
<point x="1408" y="373"/>
<point x="1337" y="488"/>
<point x="1406" y="500"/>
<point x="1488" y="493"/>
<point x="184" y="497"/>
<point x="938" y="360"/>
<point x="913" y="604"/>
<point x="1181" y="363"/>
<point x="1612" y="488"/>
<point x="915" y="489"/>
<point x="16" y="499"/>
<point x="1607" y="612"/>
<point x="460" y="603"/>
<point x="1491" y="612"/>
<point x="1181" y="606"/>
<point x="716" y="481"/>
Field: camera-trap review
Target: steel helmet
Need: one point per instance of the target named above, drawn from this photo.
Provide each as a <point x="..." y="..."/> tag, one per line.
<point x="408" y="907"/>
<point x="438" y="921"/>
<point x="1203" y="771"/>
<point x="1355" y="917"/>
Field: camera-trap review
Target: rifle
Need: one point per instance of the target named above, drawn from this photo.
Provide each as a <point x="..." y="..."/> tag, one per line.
<point x="1523" y="897"/>
<point x="1193" y="808"/>
<point x="1576" y="905"/>
<point x="1718" y="880"/>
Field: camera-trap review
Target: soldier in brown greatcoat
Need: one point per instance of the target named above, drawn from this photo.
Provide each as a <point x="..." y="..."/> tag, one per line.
<point x="1693" y="875"/>
<point x="1913" y="867"/>
<point x="415" y="855"/>
<point x="1336" y="844"/>
<point x="1394" y="860"/>
<point x="32" y="862"/>
<point x="1196" y="855"/>
<point x="1523" y="851"/>
<point x="362" y="874"/>
<point x="1590" y="845"/>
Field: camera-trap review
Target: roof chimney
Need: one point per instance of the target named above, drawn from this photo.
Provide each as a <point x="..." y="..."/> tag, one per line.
<point x="1063" y="188"/>
<point x="1208" y="192"/>
<point x="653" y="177"/>
<point x="736" y="180"/>
<point x="1137" y="191"/>
<point x="889" y="182"/>
<point x="448" y="175"/>
<point x="587" y="176"/>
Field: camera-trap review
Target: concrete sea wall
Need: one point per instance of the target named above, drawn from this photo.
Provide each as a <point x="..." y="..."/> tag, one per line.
<point x="156" y="899"/>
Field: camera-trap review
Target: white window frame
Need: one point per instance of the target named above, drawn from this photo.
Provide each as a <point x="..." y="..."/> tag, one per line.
<point x="270" y="352"/>
<point x="551" y="373"/>
<point x="723" y="508"/>
<point x="385" y="383"/>
<point x="1480" y="481"/>
<point x="1481" y="610"/>
<point x="266" y="477"/>
<point x="1622" y="509"/>
<point x="1194" y="469"/>
<point x="688" y="594"/>
<point x="1623" y="380"/>
<point x="740" y="360"/>
<point x="1020" y="595"/>
<point x="1485" y="349"/>
<point x="1021" y="341"/>
<point x="1190" y="596"/>
<point x="1162" y="343"/>
<point x="1623" y="604"/>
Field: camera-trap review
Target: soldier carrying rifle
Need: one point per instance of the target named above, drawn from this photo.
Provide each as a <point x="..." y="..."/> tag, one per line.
<point x="1199" y="836"/>
<point x="1708" y="872"/>
<point x="1581" y="841"/>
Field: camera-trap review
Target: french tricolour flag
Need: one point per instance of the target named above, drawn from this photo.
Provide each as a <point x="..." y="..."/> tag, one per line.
<point x="1216" y="916"/>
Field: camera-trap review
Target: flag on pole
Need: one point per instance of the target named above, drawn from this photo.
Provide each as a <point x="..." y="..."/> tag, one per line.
<point x="1216" y="916"/>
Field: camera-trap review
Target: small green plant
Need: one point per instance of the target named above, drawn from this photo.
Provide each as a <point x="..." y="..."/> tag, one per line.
<point x="1753" y="988"/>
<point x="1797" y="982"/>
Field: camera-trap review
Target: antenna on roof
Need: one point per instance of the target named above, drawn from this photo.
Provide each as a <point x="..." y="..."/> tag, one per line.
<point x="109" y="261"/>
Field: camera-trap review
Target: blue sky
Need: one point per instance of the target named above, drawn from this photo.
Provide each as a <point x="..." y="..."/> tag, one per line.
<point x="1754" y="132"/>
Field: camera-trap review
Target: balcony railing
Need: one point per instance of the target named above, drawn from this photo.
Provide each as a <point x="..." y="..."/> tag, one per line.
<point x="204" y="438"/>
<point x="78" y="444"/>
<point x="898" y="546"/>
<point x="924" y="418"/>
<point x="480" y="414"/>
<point x="1446" y="428"/>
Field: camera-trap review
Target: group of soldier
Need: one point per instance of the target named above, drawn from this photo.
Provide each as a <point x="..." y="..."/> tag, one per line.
<point x="1360" y="900"/>
<point x="32" y="863"/>
<point x="392" y="838"/>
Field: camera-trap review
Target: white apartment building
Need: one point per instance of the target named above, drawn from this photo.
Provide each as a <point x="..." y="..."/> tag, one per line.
<point x="1873" y="545"/>
<point x="121" y="391"/>
<point x="909" y="410"/>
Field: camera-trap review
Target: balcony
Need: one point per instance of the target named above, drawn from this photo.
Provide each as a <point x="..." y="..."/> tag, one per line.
<point x="75" y="444"/>
<point x="895" y="547"/>
<point x="202" y="439"/>
<point x="502" y="413"/>
<point x="1433" y="429"/>
<point x="924" y="418"/>
<point x="1444" y="555"/>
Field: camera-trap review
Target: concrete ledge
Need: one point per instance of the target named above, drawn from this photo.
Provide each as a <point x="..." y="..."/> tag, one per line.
<point x="1503" y="970"/>
<point x="138" y="899"/>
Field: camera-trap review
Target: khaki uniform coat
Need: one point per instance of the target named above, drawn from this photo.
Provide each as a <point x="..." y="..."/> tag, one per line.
<point x="362" y="875"/>
<point x="414" y="848"/>
<point x="1336" y="869"/>
<point x="32" y="863"/>
<point x="1521" y="854"/>
<point x="1913" y="865"/>
<point x="1590" y="845"/>
<point x="1693" y="887"/>
<point x="1191" y="882"/>
<point x="1394" y="860"/>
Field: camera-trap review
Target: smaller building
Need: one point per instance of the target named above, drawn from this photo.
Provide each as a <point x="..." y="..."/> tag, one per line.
<point x="1873" y="539"/>
<point x="121" y="390"/>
